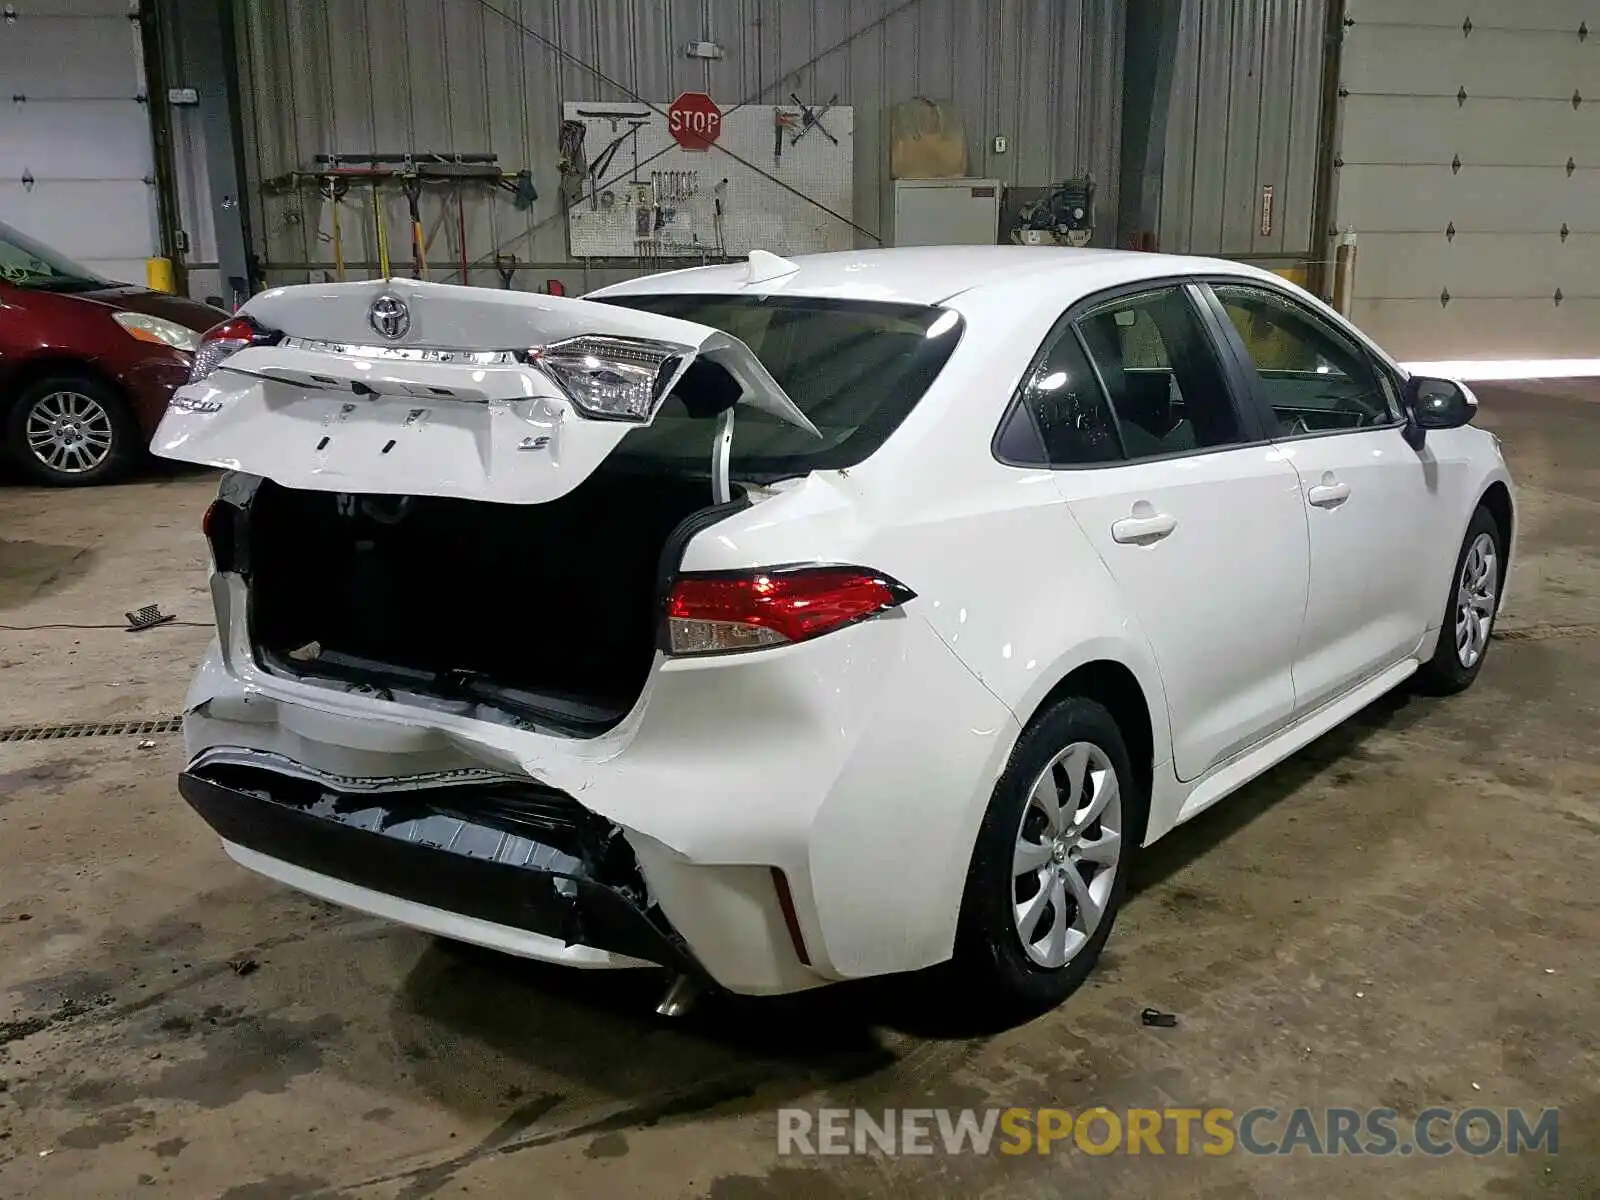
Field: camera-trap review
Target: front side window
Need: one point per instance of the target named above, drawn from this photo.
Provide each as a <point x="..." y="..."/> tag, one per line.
<point x="1315" y="380"/>
<point x="855" y="368"/>
<point x="1060" y="417"/>
<point x="1161" y="374"/>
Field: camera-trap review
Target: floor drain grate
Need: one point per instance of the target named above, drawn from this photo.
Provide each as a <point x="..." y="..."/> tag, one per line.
<point x="91" y="729"/>
<point x="1540" y="633"/>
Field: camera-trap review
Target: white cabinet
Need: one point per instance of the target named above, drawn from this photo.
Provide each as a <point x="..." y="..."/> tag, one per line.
<point x="946" y="212"/>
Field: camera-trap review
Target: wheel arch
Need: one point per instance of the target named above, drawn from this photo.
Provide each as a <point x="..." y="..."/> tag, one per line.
<point x="30" y="371"/>
<point x="1497" y="499"/>
<point x="1113" y="684"/>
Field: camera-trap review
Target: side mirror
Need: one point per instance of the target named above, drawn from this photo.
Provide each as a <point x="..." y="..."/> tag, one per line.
<point x="1436" y="404"/>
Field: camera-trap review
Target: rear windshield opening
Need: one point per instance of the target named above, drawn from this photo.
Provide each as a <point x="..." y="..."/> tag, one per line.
<point x="855" y="368"/>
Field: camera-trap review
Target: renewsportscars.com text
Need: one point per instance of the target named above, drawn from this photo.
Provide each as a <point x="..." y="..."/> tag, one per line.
<point x="1212" y="1132"/>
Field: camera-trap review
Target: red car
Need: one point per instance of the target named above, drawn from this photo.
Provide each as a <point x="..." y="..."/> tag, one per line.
<point x="86" y="365"/>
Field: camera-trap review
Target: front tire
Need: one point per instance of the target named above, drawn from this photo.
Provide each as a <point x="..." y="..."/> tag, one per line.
<point x="1050" y="865"/>
<point x="71" y="431"/>
<point x="1470" y="610"/>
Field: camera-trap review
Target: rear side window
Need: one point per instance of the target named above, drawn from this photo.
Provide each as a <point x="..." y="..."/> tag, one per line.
<point x="855" y="368"/>
<point x="1161" y="373"/>
<point x="1060" y="417"/>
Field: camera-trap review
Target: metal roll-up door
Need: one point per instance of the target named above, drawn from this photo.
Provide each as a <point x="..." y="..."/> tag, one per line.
<point x="1470" y="173"/>
<point x="76" y="160"/>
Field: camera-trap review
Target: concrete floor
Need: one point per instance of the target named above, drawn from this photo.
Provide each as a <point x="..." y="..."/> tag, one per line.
<point x="1404" y="915"/>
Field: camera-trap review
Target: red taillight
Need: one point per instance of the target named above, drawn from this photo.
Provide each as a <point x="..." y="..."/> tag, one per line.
<point x="234" y="329"/>
<point x="228" y="338"/>
<point x="208" y="523"/>
<point x="710" y="614"/>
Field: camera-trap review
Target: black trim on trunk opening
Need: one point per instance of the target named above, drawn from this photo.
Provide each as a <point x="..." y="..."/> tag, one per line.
<point x="599" y="903"/>
<point x="678" y="541"/>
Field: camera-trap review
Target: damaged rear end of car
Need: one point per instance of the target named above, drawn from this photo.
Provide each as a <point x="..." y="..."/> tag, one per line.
<point x="463" y="679"/>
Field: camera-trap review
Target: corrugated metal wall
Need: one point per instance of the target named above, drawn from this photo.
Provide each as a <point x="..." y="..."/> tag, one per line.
<point x="1245" y="111"/>
<point x="490" y="76"/>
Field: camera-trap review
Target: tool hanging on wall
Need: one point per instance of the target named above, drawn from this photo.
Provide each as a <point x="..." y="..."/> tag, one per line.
<point x="600" y="165"/>
<point x="811" y="118"/>
<point x="718" y="194"/>
<point x="572" y="164"/>
<point x="675" y="186"/>
<point x="644" y="212"/>
<point x="616" y="118"/>
<point x="413" y="191"/>
<point x="782" y="120"/>
<point x="382" y="234"/>
<point x="637" y="125"/>
<point x="333" y="191"/>
<point x="411" y="173"/>
<point x="461" y="231"/>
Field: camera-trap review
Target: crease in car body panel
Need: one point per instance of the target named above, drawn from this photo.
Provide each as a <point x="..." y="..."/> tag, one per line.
<point x="470" y="403"/>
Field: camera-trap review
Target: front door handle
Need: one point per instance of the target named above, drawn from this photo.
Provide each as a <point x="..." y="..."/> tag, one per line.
<point x="1143" y="530"/>
<point x="1330" y="493"/>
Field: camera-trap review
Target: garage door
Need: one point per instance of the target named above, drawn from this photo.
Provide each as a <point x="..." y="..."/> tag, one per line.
<point x="1470" y="150"/>
<point x="76" y="167"/>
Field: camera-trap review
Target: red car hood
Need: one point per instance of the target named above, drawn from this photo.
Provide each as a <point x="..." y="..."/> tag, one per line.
<point x="191" y="314"/>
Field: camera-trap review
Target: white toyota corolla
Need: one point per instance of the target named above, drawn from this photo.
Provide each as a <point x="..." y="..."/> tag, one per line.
<point x="797" y="621"/>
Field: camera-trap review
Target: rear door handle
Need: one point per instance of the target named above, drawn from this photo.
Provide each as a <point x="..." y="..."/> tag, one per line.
<point x="1330" y="493"/>
<point x="1143" y="531"/>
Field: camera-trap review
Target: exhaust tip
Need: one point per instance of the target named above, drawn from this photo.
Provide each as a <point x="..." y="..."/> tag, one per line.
<point x="680" y="997"/>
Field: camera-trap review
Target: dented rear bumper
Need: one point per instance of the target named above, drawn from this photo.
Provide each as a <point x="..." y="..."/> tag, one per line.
<point x="503" y="854"/>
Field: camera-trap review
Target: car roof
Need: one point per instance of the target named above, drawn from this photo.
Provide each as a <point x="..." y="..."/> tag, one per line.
<point x="933" y="274"/>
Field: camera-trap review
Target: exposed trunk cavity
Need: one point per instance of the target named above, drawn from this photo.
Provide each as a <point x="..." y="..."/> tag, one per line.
<point x="549" y="611"/>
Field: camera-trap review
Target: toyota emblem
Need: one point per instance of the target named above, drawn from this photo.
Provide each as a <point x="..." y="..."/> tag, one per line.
<point x="390" y="317"/>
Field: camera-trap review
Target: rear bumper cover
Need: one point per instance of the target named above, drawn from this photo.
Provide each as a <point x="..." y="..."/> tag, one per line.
<point x="569" y="906"/>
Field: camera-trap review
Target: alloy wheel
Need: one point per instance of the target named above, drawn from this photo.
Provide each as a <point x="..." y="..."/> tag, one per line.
<point x="69" y="432"/>
<point x="1477" y="592"/>
<point x="1068" y="848"/>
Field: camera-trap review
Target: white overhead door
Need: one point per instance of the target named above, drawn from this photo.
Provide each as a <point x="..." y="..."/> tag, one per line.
<point x="1470" y="152"/>
<point x="76" y="164"/>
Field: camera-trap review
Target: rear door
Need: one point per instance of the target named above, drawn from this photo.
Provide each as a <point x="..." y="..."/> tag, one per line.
<point x="1370" y="500"/>
<point x="402" y="387"/>
<point x="1199" y="522"/>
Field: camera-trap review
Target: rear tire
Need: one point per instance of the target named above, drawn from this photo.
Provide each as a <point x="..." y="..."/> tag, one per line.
<point x="1043" y="890"/>
<point x="71" y="431"/>
<point x="1469" y="612"/>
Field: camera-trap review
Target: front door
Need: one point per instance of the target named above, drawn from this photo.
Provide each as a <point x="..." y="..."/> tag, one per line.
<point x="1369" y="497"/>
<point x="1201" y="525"/>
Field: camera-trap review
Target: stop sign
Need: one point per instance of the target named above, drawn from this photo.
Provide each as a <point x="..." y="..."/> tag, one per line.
<point x="694" y="121"/>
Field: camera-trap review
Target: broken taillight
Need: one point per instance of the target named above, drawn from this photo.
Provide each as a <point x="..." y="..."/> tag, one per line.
<point x="228" y="338"/>
<point x="714" y="614"/>
<point x="218" y="525"/>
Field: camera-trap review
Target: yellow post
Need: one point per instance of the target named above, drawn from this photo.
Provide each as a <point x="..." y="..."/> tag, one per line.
<point x="158" y="274"/>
